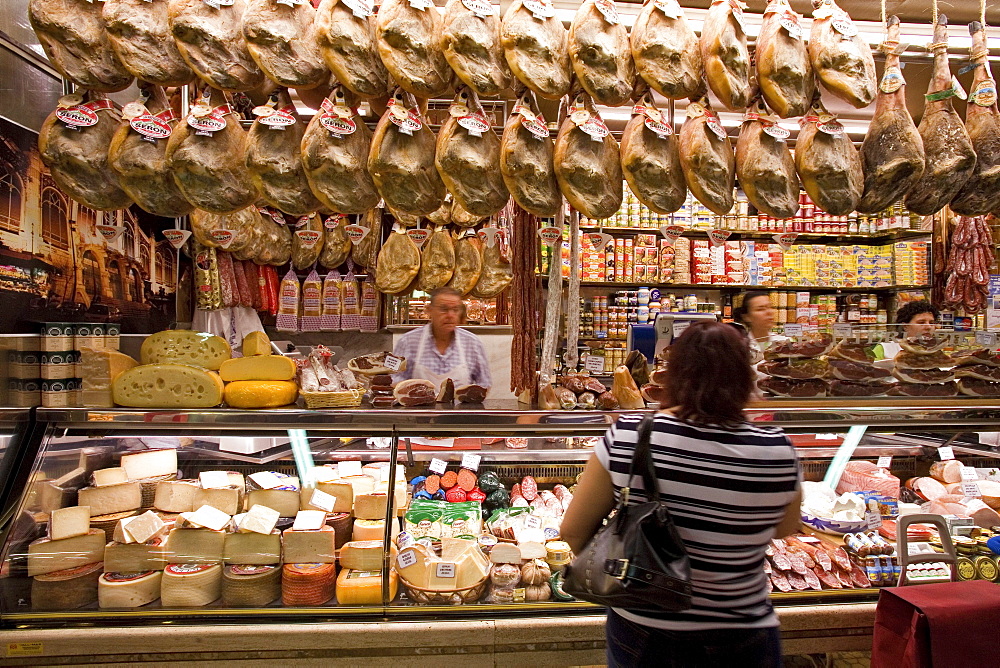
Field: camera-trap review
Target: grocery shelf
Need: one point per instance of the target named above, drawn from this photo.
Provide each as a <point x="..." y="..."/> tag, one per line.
<point x="734" y="286"/>
<point x="813" y="237"/>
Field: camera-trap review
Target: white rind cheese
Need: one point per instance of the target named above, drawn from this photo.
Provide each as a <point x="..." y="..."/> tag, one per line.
<point x="111" y="499"/>
<point x="128" y="590"/>
<point x="47" y="556"/>
<point x="69" y="522"/>
<point x="190" y="585"/>
<point x="150" y="463"/>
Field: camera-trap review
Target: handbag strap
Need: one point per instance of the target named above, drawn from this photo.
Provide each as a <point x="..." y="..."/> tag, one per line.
<point x="642" y="462"/>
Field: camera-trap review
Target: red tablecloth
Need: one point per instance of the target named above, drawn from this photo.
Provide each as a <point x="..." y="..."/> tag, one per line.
<point x="953" y="624"/>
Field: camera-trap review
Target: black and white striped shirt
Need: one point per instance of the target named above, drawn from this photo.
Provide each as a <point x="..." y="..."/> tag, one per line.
<point x="727" y="489"/>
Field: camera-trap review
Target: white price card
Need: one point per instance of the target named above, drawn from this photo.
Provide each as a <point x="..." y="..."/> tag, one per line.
<point x="971" y="490"/>
<point x="445" y="569"/>
<point x="843" y="329"/>
<point x="594" y="364"/>
<point x="406" y="559"/>
<point x="471" y="461"/>
<point x="213" y="479"/>
<point x="347" y="469"/>
<point x="874" y="519"/>
<point x="945" y="453"/>
<point x="885" y="461"/>
<point x="265" y="480"/>
<point x="969" y="474"/>
<point x="986" y="338"/>
<point x="532" y="522"/>
<point x="793" y="329"/>
<point x="322" y="500"/>
<point x="680" y="326"/>
<point x="438" y="466"/>
<point x="392" y="363"/>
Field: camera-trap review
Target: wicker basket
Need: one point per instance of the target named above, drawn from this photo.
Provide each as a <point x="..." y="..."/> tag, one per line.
<point x="344" y="399"/>
<point x="445" y="597"/>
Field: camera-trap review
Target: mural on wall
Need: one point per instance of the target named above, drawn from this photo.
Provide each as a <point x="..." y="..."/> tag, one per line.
<point x="55" y="263"/>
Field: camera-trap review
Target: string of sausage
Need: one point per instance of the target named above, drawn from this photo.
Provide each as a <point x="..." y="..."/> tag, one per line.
<point x="524" y="306"/>
<point x="969" y="263"/>
<point x="553" y="305"/>
<point x="573" y="294"/>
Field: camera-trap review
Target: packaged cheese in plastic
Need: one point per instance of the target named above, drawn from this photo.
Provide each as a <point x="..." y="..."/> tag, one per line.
<point x="312" y="303"/>
<point x="289" y="300"/>
<point x="350" y="302"/>
<point x="369" y="305"/>
<point x="208" y="289"/>
<point x="330" y="318"/>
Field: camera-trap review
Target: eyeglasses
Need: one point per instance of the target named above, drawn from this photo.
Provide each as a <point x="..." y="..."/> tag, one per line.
<point x="448" y="309"/>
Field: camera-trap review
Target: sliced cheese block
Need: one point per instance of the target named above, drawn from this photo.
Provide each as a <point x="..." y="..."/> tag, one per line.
<point x="413" y="563"/>
<point x="245" y="585"/>
<point x="452" y="548"/>
<point x="112" y="476"/>
<point x="364" y="587"/>
<point x="144" y="528"/>
<point x="183" y="346"/>
<point x="50" y="496"/>
<point x="190" y="585"/>
<point x="256" y="343"/>
<point x="175" y="496"/>
<point x="372" y="530"/>
<point x="48" y="556"/>
<point x="168" y="386"/>
<point x="261" y="393"/>
<point x="252" y="548"/>
<point x="66" y="589"/>
<point x="309" y="547"/>
<point x="227" y="499"/>
<point x="195" y="546"/>
<point x="285" y="501"/>
<point x="365" y="555"/>
<point x="258" y="367"/>
<point x="259" y="519"/>
<point x="371" y="506"/>
<point x="343" y="492"/>
<point x="128" y="590"/>
<point x="69" y="522"/>
<point x="99" y="368"/>
<point x="134" y="558"/>
<point x="111" y="498"/>
<point x="150" y="463"/>
<point x="361" y="484"/>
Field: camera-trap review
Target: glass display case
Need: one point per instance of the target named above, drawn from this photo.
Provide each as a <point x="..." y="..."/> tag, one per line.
<point x="216" y="514"/>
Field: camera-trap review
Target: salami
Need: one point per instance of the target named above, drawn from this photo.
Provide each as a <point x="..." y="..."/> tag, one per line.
<point x="560" y="491"/>
<point x="798" y="581"/>
<point x="449" y="479"/>
<point x="767" y="567"/>
<point x="227" y="280"/>
<point x="242" y="285"/>
<point x="828" y="578"/>
<point x="840" y="558"/>
<point x="781" y="561"/>
<point x="803" y="554"/>
<point x="271" y="281"/>
<point x="432" y="484"/>
<point x="812" y="580"/>
<point x="467" y="480"/>
<point x="797" y="562"/>
<point x="258" y="290"/>
<point x="515" y="490"/>
<point x="529" y="488"/>
<point x="780" y="581"/>
<point x="859" y="578"/>
<point x="819" y="555"/>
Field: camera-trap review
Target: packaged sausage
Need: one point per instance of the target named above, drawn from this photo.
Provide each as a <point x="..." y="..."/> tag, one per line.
<point x="289" y="302"/>
<point x="330" y="320"/>
<point x="307" y="241"/>
<point x="242" y="285"/>
<point x="336" y="243"/>
<point x="206" y="279"/>
<point x="312" y="303"/>
<point x="350" y="303"/>
<point x="272" y="284"/>
<point x="369" y="305"/>
<point x="230" y="292"/>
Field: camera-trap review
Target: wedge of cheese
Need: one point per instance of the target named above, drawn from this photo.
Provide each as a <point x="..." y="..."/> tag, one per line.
<point x="128" y="590"/>
<point x="168" y="386"/>
<point x="69" y="522"/>
<point x="195" y="546"/>
<point x="285" y="501"/>
<point x="98" y="369"/>
<point x="175" y="496"/>
<point x="183" y="346"/>
<point x="111" y="498"/>
<point x="111" y="476"/>
<point x="48" y="556"/>
<point x="256" y="343"/>
<point x="258" y="367"/>
<point x="343" y="492"/>
<point x="150" y="463"/>
<point x="227" y="499"/>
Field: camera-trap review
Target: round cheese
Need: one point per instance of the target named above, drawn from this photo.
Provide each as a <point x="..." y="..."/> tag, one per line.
<point x="343" y="527"/>
<point x="261" y="393"/>
<point x="190" y="585"/>
<point x="245" y="585"/>
<point x="183" y="346"/>
<point x="128" y="590"/>
<point x="307" y="584"/>
<point x="168" y="386"/>
<point x="67" y="589"/>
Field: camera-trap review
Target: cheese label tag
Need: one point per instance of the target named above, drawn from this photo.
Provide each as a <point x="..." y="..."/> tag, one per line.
<point x="550" y="235"/>
<point x="785" y="240"/>
<point x="969" y="474"/>
<point x="670" y="8"/>
<point x="885" y="461"/>
<point x="406" y="558"/>
<point x="110" y="232"/>
<point x="481" y="8"/>
<point x="892" y="80"/>
<point x="718" y="237"/>
<point x="307" y="238"/>
<point x="793" y="329"/>
<point x="309" y="520"/>
<point x="445" y="569"/>
<point x="418" y="235"/>
<point x="540" y="9"/>
<point x="594" y="364"/>
<point x="971" y="490"/>
<point x="265" y="480"/>
<point x="599" y="240"/>
<point x="213" y="479"/>
<point x="150" y="127"/>
<point x="671" y="233"/>
<point x="438" y="466"/>
<point x="392" y="363"/>
<point x="471" y="461"/>
<point x="607" y="8"/>
<point x="356" y="233"/>
<point x="177" y="238"/>
<point x="945" y="452"/>
<point x="349" y="468"/>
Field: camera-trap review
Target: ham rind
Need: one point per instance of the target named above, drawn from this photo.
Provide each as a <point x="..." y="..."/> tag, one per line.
<point x="947" y="471"/>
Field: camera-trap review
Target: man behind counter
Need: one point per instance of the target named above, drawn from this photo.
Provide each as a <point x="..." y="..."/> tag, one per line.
<point x="440" y="349"/>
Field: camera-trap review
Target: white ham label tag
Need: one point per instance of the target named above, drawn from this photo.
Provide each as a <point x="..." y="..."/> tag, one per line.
<point x="360" y="8"/>
<point x="438" y="466"/>
<point x="308" y="238"/>
<point x="785" y="240"/>
<point x="599" y="240"/>
<point x="471" y="461"/>
<point x="488" y="235"/>
<point x="718" y="237"/>
<point x="356" y="233"/>
<point x="594" y="364"/>
<point x="845" y="26"/>
<point x="984" y="93"/>
<point x="550" y="235"/>
<point x="596" y="128"/>
<point x="337" y="126"/>
<point x="177" y="238"/>
<point x="671" y="233"/>
<point x="222" y="237"/>
<point x="607" y="8"/>
<point x="670" y="8"/>
<point x="110" y="232"/>
<point x="479" y="7"/>
<point x="206" y="125"/>
<point x="77" y="117"/>
<point x="392" y="363"/>
<point x="714" y="124"/>
<point x="535" y="125"/>
<point x="832" y="127"/>
<point x="738" y="14"/>
<point x="134" y="109"/>
<point x="408" y="121"/>
<point x="776" y="131"/>
<point x="885" y="461"/>
<point x="418" y="236"/>
<point x="475" y="123"/>
<point x="150" y="127"/>
<point x="333" y="221"/>
<point x="540" y="9"/>
<point x="421" y="4"/>
<point x="791" y="25"/>
<point x="945" y="452"/>
<point x="659" y="128"/>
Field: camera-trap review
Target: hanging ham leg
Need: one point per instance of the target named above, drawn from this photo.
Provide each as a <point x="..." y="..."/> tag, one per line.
<point x="724" y="53"/>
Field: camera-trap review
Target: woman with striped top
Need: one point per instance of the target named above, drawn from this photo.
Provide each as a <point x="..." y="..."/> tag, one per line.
<point x="730" y="485"/>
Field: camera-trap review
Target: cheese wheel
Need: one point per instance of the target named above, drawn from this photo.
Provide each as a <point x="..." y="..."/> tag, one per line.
<point x="309" y="546"/>
<point x="190" y="585"/>
<point x="307" y="584"/>
<point x="128" y="590"/>
<point x="49" y="556"/>
<point x="364" y="587"/>
<point x="66" y="589"/>
<point x="252" y="586"/>
<point x="135" y="557"/>
<point x="343" y="527"/>
<point x="183" y="346"/>
<point x="261" y="393"/>
<point x="168" y="386"/>
<point x="258" y="367"/>
<point x="372" y="530"/>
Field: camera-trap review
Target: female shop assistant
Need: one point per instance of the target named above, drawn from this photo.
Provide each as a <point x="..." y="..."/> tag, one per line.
<point x="754" y="311"/>
<point x="916" y="319"/>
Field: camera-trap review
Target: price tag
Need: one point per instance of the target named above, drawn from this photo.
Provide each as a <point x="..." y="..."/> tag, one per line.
<point x="348" y="469"/>
<point x="854" y="315"/>
<point x="438" y="466"/>
<point x="884" y="461"/>
<point x="594" y="364"/>
<point x="532" y="522"/>
<point x="322" y="500"/>
<point x="392" y="363"/>
<point x="213" y="479"/>
<point x="445" y="569"/>
<point x="550" y="235"/>
<point x="843" y="329"/>
<point x="971" y="490"/>
<point x="874" y="519"/>
<point x="986" y="338"/>
<point x="793" y="329"/>
<point x="471" y="461"/>
<point x="680" y="326"/>
<point x="177" y="238"/>
<point x="969" y="474"/>
<point x="945" y="452"/>
<point x="265" y="480"/>
<point x="406" y="559"/>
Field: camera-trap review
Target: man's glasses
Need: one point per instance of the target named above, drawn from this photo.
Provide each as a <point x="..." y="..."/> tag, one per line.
<point x="448" y="309"/>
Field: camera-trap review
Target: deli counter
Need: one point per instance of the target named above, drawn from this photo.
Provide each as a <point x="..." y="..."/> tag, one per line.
<point x="176" y="552"/>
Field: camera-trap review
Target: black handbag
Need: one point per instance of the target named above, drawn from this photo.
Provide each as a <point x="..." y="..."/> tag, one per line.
<point x="636" y="561"/>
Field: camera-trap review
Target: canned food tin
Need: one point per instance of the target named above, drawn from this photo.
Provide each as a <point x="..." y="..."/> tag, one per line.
<point x="57" y="336"/>
<point x="58" y="365"/>
<point x="56" y="392"/>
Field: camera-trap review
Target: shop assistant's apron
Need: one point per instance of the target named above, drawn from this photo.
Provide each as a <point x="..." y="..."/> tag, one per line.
<point x="460" y="374"/>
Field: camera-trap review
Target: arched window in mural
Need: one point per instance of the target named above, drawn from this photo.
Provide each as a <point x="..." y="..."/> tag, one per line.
<point x="136" y="285"/>
<point x="144" y="256"/>
<point x="55" y="218"/>
<point x="86" y="218"/>
<point x="115" y="279"/>
<point x="10" y="199"/>
<point x="128" y="236"/>
<point x="165" y="265"/>
<point x="91" y="275"/>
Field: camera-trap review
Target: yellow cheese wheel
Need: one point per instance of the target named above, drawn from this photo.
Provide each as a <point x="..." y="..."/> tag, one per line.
<point x="256" y="343"/>
<point x="183" y="346"/>
<point x="258" y="367"/>
<point x="261" y="393"/>
<point x="167" y="386"/>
